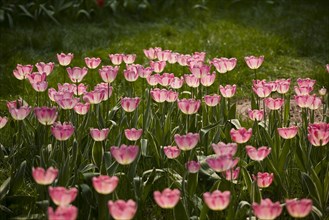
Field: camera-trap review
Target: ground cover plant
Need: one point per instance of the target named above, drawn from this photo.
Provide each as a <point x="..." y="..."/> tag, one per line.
<point x="150" y="127"/>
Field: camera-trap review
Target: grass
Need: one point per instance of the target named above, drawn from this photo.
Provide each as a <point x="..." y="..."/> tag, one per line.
<point x="292" y="36"/>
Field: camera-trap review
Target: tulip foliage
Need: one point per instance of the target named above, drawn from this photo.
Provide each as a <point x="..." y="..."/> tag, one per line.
<point x="149" y="142"/>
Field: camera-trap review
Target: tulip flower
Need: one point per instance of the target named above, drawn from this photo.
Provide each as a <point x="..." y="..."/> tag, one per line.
<point x="302" y="91"/>
<point x="105" y="184"/>
<point x="228" y="91"/>
<point x="129" y="104"/>
<point x="163" y="55"/>
<point x="241" y="135"/>
<point x="99" y="135"/>
<point x="62" y="132"/>
<point x="318" y="134"/>
<point x="288" y="133"/>
<point x="116" y="59"/>
<point x="171" y="152"/>
<point x="80" y="90"/>
<point x="122" y="210"/>
<point x="104" y="88"/>
<point x="94" y="97"/>
<point x="299" y="208"/>
<point x="192" y="81"/>
<point x="151" y="53"/>
<point x="45" y="67"/>
<point x="81" y="108"/>
<point x="200" y="71"/>
<point x="159" y="95"/>
<point x="183" y="59"/>
<point x="254" y="62"/>
<point x="212" y="100"/>
<point x="307" y="82"/>
<point x="108" y="73"/>
<point x="255" y="114"/>
<point x="63" y="213"/>
<point x="173" y="58"/>
<point x="65" y="59"/>
<point x="267" y="210"/>
<point x="152" y="80"/>
<point x="327" y="67"/>
<point x="167" y="199"/>
<point x="274" y="104"/>
<point x="36" y="77"/>
<point x="67" y="103"/>
<point x="62" y="196"/>
<point x="20" y="113"/>
<point x="76" y="74"/>
<point x="22" y="71"/>
<point x="217" y="200"/>
<point x="66" y="87"/>
<point x="92" y="63"/>
<point x="283" y="86"/>
<point x="189" y="106"/>
<point x="171" y="96"/>
<point x="232" y="174"/>
<point x="165" y="79"/>
<point x="129" y="58"/>
<point x="158" y="66"/>
<point x="193" y="166"/>
<point x="124" y="154"/>
<point x="322" y="91"/>
<point x="130" y="75"/>
<point x="225" y="149"/>
<point x="45" y="115"/>
<point x="262" y="90"/>
<point x="44" y="177"/>
<point x="187" y="142"/>
<point x="133" y="134"/>
<point x="223" y="64"/>
<point x="3" y="121"/>
<point x="16" y="104"/>
<point x="145" y="72"/>
<point x="222" y="163"/>
<point x="258" y="154"/>
<point x="208" y="80"/>
<point x="177" y="83"/>
<point x="264" y="180"/>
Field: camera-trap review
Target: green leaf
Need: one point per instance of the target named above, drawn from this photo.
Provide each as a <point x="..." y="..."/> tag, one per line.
<point x="144" y="147"/>
<point x="18" y="178"/>
<point x="192" y="183"/>
<point x="232" y="111"/>
<point x="312" y="189"/>
<point x="208" y="128"/>
<point x="180" y="211"/>
<point x="4" y="188"/>
<point x="97" y="153"/>
<point x="235" y="122"/>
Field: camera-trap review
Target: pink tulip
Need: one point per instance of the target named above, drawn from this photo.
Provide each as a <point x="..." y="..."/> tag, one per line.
<point x="173" y="58"/>
<point x="67" y="103"/>
<point x="200" y="71"/>
<point x="318" y="134"/>
<point x="62" y="132"/>
<point x="20" y="113"/>
<point x="124" y="154"/>
<point x="262" y="90"/>
<point x="212" y="100"/>
<point x="165" y="79"/>
<point x="232" y="174"/>
<point x="255" y="114"/>
<point x="327" y="67"/>
<point x="45" y="115"/>
<point x="130" y="76"/>
<point x="241" y="135"/>
<point x="305" y="90"/>
<point x="188" y="141"/>
<point x="193" y="166"/>
<point x="159" y="95"/>
<point x="177" y="83"/>
<point x="192" y="81"/>
<point x="76" y="74"/>
<point x="63" y="213"/>
<point x="62" y="196"/>
<point x="66" y="87"/>
<point x="258" y="154"/>
<point x="44" y="177"/>
<point x="65" y="59"/>
<point x="3" y="121"/>
<point x="223" y="64"/>
<point x="104" y="88"/>
<point x="163" y="55"/>
<point x="17" y="104"/>
<point x="145" y="72"/>
<point x="299" y="208"/>
<point x="129" y="58"/>
<point x="228" y="91"/>
<point x="183" y="59"/>
<point x="274" y="104"/>
<point x="45" y="67"/>
<point x="217" y="200"/>
<point x="225" y="149"/>
<point x="82" y="89"/>
<point x="267" y="210"/>
<point x="40" y="86"/>
<point x="208" y="80"/>
<point x="283" y="86"/>
<point x="158" y="66"/>
<point x="254" y="62"/>
<point x="116" y="59"/>
<point x="22" y="71"/>
<point x="322" y="91"/>
<point x="302" y="100"/>
<point x="151" y="53"/>
<point x="56" y="96"/>
<point x="81" y="108"/>
<point x="199" y="56"/>
<point x="264" y="180"/>
<point x="94" y="97"/>
<point x="288" y="133"/>
<point x="172" y="96"/>
<point x="122" y="210"/>
<point x="92" y="63"/>
<point x="108" y="73"/>
<point x="307" y="82"/>
<point x="167" y="199"/>
<point x="105" y="184"/>
<point x="222" y="163"/>
<point x="129" y="104"/>
<point x="171" y="152"/>
<point x="36" y="77"/>
<point x="189" y="106"/>
<point x="153" y="80"/>
<point x="133" y="134"/>
<point x="314" y="102"/>
<point x="99" y="135"/>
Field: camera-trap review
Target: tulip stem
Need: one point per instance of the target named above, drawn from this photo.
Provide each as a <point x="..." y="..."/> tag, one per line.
<point x="102" y="209"/>
<point x="264" y="113"/>
<point x="255" y="72"/>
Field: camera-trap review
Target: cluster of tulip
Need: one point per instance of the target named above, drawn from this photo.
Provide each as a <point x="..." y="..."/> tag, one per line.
<point x="230" y="156"/>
